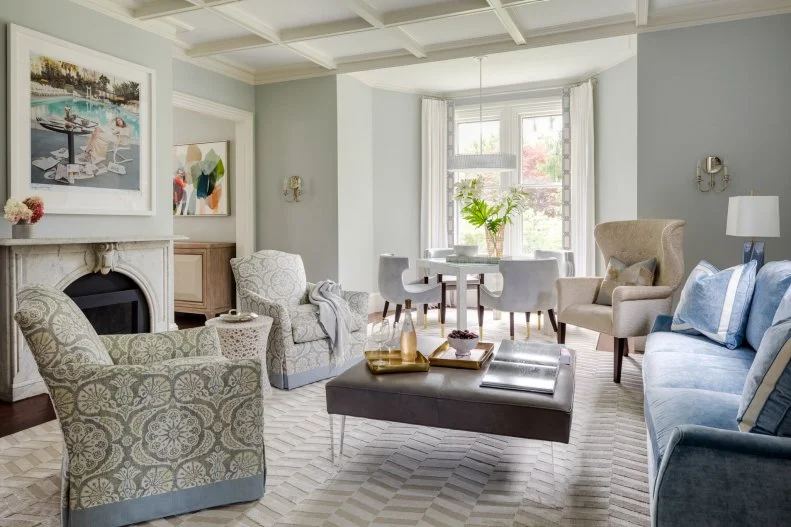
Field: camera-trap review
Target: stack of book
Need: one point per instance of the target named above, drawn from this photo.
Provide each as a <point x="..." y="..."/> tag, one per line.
<point x="526" y="366"/>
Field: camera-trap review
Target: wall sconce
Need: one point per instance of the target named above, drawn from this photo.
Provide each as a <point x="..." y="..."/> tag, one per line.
<point x="711" y="166"/>
<point x="292" y="188"/>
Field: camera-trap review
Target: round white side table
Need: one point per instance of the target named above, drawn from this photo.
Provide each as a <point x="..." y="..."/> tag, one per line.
<point x="245" y="340"/>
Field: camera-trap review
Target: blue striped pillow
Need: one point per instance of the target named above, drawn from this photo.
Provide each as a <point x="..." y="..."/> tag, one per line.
<point x="765" y="400"/>
<point x="716" y="303"/>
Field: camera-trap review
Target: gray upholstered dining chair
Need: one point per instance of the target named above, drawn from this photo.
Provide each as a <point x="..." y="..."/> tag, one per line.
<point x="564" y="258"/>
<point x="528" y="286"/>
<point x="634" y="308"/>
<point x="448" y="282"/>
<point x="394" y="290"/>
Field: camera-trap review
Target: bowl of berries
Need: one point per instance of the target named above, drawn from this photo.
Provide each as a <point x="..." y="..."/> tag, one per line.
<point x="463" y="341"/>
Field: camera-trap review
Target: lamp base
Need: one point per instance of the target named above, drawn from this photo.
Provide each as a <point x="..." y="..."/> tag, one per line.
<point x="754" y="251"/>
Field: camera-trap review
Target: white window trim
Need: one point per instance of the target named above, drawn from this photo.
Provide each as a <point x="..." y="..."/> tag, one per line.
<point x="510" y="114"/>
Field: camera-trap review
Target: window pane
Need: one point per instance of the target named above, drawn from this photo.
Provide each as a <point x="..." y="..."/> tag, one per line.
<point x="542" y="150"/>
<point x="542" y="223"/>
<point x="470" y="135"/>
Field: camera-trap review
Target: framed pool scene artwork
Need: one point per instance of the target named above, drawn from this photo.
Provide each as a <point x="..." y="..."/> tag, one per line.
<point x="201" y="179"/>
<point x="81" y="127"/>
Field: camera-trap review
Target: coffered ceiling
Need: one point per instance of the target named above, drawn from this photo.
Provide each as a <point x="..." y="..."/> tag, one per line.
<point x="261" y="41"/>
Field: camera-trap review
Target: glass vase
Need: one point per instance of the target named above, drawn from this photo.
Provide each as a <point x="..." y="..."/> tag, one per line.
<point x="494" y="241"/>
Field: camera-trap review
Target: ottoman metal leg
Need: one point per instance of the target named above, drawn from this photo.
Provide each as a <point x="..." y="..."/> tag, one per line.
<point x="332" y="438"/>
<point x="343" y="431"/>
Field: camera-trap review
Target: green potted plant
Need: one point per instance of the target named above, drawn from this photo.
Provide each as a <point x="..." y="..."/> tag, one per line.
<point x="492" y="212"/>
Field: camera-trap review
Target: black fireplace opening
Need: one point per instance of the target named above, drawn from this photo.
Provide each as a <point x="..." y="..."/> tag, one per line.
<point x="113" y="303"/>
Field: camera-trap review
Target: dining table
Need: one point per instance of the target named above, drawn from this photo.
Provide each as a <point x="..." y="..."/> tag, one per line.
<point x="460" y="271"/>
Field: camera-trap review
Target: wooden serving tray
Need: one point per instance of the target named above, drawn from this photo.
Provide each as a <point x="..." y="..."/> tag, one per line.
<point x="391" y="362"/>
<point x="445" y="356"/>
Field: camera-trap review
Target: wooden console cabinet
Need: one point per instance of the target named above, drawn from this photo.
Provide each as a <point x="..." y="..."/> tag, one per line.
<point x="203" y="280"/>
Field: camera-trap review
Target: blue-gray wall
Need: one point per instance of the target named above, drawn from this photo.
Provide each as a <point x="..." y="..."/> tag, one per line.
<point x="296" y="134"/>
<point x="397" y="167"/>
<point x="615" y="121"/>
<point x="88" y="28"/>
<point x="721" y="89"/>
<point x="200" y="82"/>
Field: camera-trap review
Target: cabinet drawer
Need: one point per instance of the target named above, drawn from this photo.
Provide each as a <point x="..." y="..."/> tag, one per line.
<point x="188" y="279"/>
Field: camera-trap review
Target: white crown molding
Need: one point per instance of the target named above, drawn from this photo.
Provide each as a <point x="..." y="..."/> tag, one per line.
<point x="223" y="67"/>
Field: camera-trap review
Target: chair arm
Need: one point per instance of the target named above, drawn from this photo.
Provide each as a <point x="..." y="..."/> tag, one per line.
<point x="358" y="302"/>
<point x="281" y="319"/>
<point x="719" y="477"/>
<point x="626" y="293"/>
<point x="149" y="348"/>
<point x="576" y="290"/>
<point x="662" y="323"/>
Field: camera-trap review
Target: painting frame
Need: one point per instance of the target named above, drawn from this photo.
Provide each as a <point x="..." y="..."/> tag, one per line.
<point x="224" y="156"/>
<point x="23" y="43"/>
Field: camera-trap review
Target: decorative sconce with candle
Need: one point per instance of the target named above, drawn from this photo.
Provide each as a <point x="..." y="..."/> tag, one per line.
<point x="711" y="166"/>
<point x="292" y="188"/>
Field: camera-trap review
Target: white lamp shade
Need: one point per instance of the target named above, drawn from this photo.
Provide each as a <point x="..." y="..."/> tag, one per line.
<point x="754" y="216"/>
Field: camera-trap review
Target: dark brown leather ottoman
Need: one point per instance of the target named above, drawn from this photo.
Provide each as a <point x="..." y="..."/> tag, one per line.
<point x="452" y="398"/>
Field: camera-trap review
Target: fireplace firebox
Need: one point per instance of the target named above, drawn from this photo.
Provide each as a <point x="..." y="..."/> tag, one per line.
<point x="113" y="303"/>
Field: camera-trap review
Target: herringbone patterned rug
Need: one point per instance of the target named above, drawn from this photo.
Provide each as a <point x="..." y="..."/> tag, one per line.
<point x="394" y="474"/>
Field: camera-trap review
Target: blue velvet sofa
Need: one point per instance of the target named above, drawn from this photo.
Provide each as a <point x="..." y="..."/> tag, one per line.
<point x="702" y="469"/>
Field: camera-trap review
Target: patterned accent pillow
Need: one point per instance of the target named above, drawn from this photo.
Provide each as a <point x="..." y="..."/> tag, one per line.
<point x="716" y="303"/>
<point x="618" y="274"/>
<point x="765" y="407"/>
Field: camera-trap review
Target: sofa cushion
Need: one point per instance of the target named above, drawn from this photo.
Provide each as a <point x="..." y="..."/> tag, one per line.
<point x="771" y="284"/>
<point x="305" y="325"/>
<point x="668" y="408"/>
<point x="663" y="341"/>
<point x="680" y="369"/>
<point x="716" y="303"/>
<point x="766" y="402"/>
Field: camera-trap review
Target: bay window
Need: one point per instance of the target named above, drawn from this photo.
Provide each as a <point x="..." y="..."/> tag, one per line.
<point x="532" y="130"/>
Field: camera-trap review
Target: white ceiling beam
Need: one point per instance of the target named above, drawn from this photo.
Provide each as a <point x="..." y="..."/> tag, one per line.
<point x="641" y="12"/>
<point x="373" y="17"/>
<point x="325" y="29"/>
<point x="162" y="8"/>
<point x="248" y="22"/>
<point x="507" y="21"/>
<point x="219" y="47"/>
<point x="409" y="42"/>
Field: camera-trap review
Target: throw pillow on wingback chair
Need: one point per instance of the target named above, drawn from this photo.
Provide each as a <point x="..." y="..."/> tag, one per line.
<point x="634" y="308"/>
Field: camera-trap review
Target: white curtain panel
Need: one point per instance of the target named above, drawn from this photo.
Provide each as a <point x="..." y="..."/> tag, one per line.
<point x="434" y="190"/>
<point x="582" y="180"/>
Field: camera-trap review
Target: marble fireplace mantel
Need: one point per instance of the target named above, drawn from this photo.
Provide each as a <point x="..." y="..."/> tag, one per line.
<point x="58" y="262"/>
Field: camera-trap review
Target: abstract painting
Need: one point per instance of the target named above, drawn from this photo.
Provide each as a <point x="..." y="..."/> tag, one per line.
<point x="82" y="131"/>
<point x="200" y="179"/>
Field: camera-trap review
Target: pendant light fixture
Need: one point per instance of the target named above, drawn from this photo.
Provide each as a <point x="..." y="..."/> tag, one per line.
<point x="481" y="162"/>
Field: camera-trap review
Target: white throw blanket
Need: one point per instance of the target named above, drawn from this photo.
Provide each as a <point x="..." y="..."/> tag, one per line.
<point x="334" y="312"/>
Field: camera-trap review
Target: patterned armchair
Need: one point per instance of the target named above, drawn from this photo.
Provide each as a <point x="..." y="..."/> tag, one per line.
<point x="273" y="283"/>
<point x="154" y="424"/>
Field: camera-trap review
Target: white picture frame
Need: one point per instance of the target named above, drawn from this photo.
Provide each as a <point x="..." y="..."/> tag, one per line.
<point x="64" y="198"/>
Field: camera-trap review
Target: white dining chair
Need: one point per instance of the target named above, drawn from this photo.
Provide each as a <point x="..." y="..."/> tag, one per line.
<point x="564" y="258"/>
<point x="394" y="290"/>
<point x="528" y="286"/>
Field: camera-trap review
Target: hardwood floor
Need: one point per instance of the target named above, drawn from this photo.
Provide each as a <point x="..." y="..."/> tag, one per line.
<point x="24" y="414"/>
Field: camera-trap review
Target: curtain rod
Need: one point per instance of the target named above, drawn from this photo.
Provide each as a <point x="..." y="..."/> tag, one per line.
<point x="594" y="79"/>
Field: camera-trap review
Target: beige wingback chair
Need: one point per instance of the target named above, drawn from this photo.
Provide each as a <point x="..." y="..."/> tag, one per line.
<point x="634" y="308"/>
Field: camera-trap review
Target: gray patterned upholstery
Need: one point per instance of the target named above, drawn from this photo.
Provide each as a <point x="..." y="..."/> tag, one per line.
<point x="154" y="425"/>
<point x="273" y="283"/>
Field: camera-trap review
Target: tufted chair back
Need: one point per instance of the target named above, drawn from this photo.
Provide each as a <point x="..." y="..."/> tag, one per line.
<point x="275" y="275"/>
<point x="637" y="240"/>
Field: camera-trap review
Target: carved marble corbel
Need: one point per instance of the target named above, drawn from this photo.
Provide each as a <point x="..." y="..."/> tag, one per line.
<point x="105" y="257"/>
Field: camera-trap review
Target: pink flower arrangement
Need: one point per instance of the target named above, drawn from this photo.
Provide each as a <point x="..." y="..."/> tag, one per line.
<point x="28" y="211"/>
